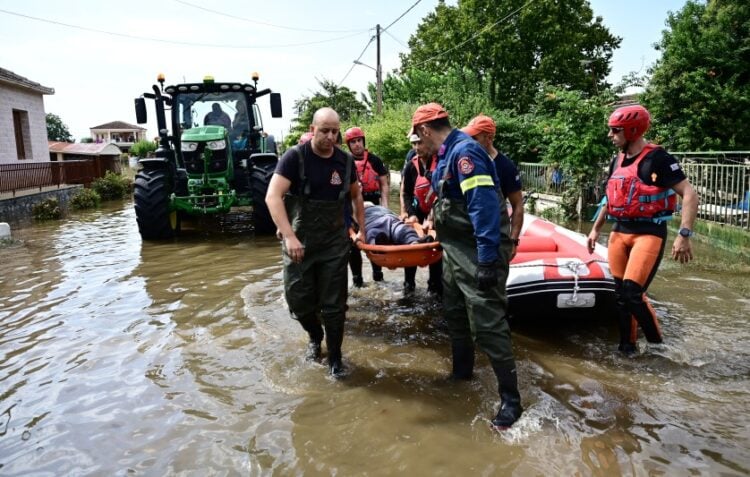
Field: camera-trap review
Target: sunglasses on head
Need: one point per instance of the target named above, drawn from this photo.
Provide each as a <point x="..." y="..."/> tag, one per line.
<point x="616" y="130"/>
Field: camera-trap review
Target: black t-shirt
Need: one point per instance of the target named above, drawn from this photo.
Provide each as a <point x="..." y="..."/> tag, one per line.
<point x="323" y="174"/>
<point x="510" y="179"/>
<point x="658" y="168"/>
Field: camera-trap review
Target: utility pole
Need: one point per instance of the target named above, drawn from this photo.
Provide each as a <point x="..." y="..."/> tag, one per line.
<point x="378" y="76"/>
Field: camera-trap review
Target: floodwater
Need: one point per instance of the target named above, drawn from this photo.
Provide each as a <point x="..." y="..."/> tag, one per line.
<point x="119" y="357"/>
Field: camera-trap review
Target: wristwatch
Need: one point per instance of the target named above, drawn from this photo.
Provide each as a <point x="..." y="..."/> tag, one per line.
<point x="686" y="232"/>
<point x="515" y="241"/>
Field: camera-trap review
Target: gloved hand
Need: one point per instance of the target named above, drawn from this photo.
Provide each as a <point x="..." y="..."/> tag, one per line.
<point x="486" y="276"/>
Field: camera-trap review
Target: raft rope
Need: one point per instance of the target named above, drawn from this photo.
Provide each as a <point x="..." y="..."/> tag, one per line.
<point x="574" y="266"/>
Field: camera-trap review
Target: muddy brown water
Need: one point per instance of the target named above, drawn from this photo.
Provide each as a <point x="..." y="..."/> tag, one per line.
<point x="119" y="357"/>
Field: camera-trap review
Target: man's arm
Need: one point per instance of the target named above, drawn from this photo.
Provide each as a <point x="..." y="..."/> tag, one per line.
<point x="358" y="207"/>
<point x="277" y="188"/>
<point x="385" y="189"/>
<point x="516" y="218"/>
<point x="475" y="176"/>
<point x="681" y="249"/>
<point x="596" y="228"/>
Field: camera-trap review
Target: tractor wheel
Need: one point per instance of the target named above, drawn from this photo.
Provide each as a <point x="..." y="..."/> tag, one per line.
<point x="261" y="177"/>
<point x="151" y="197"/>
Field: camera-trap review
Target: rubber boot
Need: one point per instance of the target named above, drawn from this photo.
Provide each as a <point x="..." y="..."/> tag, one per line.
<point x="409" y="288"/>
<point x="625" y="325"/>
<point x="355" y="264"/>
<point x="510" y="405"/>
<point x="463" y="362"/>
<point x="311" y="324"/>
<point x="625" y="322"/>
<point x="334" y="339"/>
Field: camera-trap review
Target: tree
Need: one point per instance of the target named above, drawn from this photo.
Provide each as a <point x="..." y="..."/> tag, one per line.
<point x="340" y="98"/>
<point x="512" y="48"/>
<point x="699" y="92"/>
<point x="57" y="130"/>
<point x="570" y="130"/>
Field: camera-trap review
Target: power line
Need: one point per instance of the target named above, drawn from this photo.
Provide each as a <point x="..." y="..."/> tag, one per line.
<point x="354" y="63"/>
<point x="402" y="15"/>
<point x="175" y="42"/>
<point x="397" y="40"/>
<point x="480" y="32"/>
<point x="258" y="22"/>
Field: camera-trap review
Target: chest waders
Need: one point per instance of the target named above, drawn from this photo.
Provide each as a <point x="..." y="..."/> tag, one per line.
<point x="473" y="315"/>
<point x="316" y="288"/>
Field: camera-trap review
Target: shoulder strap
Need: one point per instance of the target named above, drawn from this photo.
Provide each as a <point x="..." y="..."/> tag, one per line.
<point x="346" y="185"/>
<point x="304" y="183"/>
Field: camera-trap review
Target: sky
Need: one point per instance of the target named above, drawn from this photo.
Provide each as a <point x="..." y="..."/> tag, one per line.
<point x="100" y="55"/>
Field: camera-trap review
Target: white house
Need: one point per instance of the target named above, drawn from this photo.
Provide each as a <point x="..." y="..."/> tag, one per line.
<point x="23" y="125"/>
<point x="120" y="133"/>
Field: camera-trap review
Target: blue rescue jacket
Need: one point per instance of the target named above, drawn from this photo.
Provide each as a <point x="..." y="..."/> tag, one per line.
<point x="467" y="173"/>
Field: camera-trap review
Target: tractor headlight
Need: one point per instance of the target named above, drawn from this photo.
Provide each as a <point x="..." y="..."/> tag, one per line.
<point x="217" y="145"/>
<point x="189" y="146"/>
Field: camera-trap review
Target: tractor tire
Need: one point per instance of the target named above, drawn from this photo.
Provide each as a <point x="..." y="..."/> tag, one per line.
<point x="151" y="197"/>
<point x="259" y="180"/>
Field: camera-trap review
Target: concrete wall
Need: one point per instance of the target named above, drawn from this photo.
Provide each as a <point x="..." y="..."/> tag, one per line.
<point x="17" y="210"/>
<point x="32" y="102"/>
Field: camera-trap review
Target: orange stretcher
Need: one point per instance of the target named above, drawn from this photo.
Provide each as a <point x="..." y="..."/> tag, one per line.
<point x="396" y="256"/>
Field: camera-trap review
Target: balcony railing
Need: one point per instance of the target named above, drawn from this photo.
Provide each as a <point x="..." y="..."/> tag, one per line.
<point x="38" y="175"/>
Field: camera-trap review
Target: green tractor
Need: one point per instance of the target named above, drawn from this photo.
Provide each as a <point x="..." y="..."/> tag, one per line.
<point x="217" y="157"/>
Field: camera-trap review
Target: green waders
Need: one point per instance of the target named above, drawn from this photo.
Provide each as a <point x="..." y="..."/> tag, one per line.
<point x="316" y="288"/>
<point x="475" y="316"/>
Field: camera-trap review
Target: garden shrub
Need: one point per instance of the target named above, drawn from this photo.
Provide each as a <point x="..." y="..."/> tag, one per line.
<point x="85" y="199"/>
<point x="142" y="148"/>
<point x="48" y="209"/>
<point x="112" y="186"/>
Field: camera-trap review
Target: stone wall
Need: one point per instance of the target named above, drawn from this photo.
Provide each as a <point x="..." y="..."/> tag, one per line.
<point x="17" y="210"/>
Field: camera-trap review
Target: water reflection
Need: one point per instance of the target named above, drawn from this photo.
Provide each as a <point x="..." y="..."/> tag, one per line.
<point x="180" y="358"/>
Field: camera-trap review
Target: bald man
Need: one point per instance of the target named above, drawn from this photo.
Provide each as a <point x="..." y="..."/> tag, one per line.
<point x="306" y="198"/>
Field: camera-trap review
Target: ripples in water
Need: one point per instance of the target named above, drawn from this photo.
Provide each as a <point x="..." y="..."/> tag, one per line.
<point x="180" y="358"/>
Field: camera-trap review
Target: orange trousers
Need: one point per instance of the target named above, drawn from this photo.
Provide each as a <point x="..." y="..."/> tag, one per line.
<point x="633" y="261"/>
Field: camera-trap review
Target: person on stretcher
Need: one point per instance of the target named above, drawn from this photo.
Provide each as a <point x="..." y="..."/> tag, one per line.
<point x="384" y="227"/>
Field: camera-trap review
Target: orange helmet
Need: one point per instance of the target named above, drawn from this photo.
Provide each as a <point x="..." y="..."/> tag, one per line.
<point x="353" y="133"/>
<point x="305" y="137"/>
<point x="634" y="120"/>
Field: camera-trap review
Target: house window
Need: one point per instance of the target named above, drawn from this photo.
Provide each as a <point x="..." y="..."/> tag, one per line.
<point x="22" y="133"/>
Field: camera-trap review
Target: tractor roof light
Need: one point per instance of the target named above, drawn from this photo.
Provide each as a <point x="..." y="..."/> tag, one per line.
<point x="255" y="76"/>
<point x="160" y="77"/>
<point x="208" y="79"/>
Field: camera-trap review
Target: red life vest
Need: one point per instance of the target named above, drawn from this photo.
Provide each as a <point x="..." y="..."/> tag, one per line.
<point x="629" y="198"/>
<point x="366" y="174"/>
<point x="422" y="186"/>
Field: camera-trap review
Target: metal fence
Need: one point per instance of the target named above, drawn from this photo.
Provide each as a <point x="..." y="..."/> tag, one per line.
<point x="721" y="179"/>
<point x="542" y="178"/>
<point x="38" y="175"/>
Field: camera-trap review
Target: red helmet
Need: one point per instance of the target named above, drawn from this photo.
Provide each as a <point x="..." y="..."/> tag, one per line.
<point x="353" y="133"/>
<point x="305" y="137"/>
<point x="635" y="121"/>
